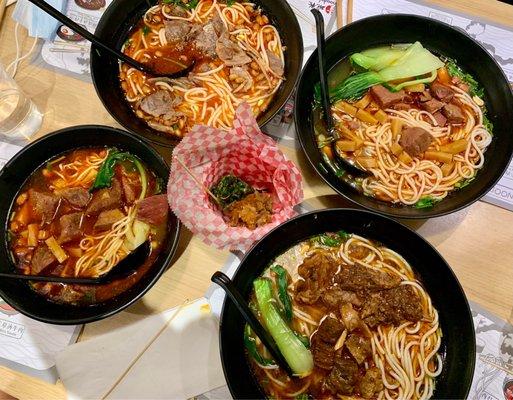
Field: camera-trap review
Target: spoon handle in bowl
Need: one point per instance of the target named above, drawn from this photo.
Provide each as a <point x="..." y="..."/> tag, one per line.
<point x="237" y="299"/>
<point x="325" y="101"/>
<point x="55" y="279"/>
<point x="47" y="8"/>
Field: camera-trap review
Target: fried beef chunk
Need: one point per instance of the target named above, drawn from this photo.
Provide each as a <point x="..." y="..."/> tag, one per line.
<point x="392" y="306"/>
<point x="317" y="271"/>
<point x="360" y="278"/>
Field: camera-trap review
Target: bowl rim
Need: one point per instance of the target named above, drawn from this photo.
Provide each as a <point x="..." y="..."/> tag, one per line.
<point x="164" y="140"/>
<point x="340" y="189"/>
<point x="343" y="210"/>
<point x="172" y="236"/>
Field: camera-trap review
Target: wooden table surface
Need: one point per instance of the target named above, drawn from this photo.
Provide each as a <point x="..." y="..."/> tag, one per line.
<point x="477" y="241"/>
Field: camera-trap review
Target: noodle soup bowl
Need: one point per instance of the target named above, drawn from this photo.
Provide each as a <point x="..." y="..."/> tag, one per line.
<point x="17" y="293"/>
<point x="442" y="40"/>
<point x="122" y="16"/>
<point x="458" y="339"/>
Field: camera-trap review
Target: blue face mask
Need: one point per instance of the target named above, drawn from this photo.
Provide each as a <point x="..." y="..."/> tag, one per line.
<point x="38" y="23"/>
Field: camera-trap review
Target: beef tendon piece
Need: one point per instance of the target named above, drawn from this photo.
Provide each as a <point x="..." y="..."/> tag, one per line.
<point x="360" y="278"/>
<point x="323" y="353"/>
<point x="415" y="140"/>
<point x="371" y="383"/>
<point x="252" y="211"/>
<point x="359" y="347"/>
<point x="392" y="306"/>
<point x="343" y="377"/>
<point x="350" y="317"/>
<point x="317" y="272"/>
<point x="330" y="330"/>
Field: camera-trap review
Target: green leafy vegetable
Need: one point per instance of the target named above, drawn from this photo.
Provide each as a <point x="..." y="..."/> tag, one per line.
<point x="230" y="189"/>
<point x="385" y="65"/>
<point x="465" y="182"/>
<point x="188" y="6"/>
<point x="332" y="240"/>
<point x="474" y="87"/>
<point x="106" y="171"/>
<point x="302" y="396"/>
<point x="294" y="351"/>
<point x="338" y="171"/>
<point x="283" y="295"/>
<point x="251" y="347"/>
<point x="145" y="30"/>
<point x="487" y="123"/>
<point x="230" y="3"/>
<point x="304" y="339"/>
<point x="426" y="202"/>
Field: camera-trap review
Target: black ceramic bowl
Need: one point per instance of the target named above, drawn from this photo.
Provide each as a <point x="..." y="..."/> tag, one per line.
<point x="441" y="39"/>
<point x="122" y="15"/>
<point x="458" y="342"/>
<point x="17" y="293"/>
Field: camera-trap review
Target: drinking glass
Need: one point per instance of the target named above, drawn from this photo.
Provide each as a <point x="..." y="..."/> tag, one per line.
<point x="19" y="117"/>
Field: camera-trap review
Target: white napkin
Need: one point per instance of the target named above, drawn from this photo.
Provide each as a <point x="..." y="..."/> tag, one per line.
<point x="182" y="362"/>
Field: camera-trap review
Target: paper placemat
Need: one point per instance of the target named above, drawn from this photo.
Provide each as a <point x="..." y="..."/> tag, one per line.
<point x="30" y="346"/>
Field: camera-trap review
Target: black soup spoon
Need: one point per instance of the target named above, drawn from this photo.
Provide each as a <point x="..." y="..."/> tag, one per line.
<point x="325" y="100"/>
<point x="237" y="299"/>
<point x="158" y="69"/>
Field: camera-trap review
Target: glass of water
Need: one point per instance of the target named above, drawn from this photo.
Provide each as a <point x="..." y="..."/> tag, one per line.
<point x="19" y="117"/>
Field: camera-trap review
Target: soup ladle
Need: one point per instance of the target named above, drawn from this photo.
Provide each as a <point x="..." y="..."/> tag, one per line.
<point x="155" y="70"/>
<point x="121" y="270"/>
<point x="227" y="285"/>
<point x="325" y="100"/>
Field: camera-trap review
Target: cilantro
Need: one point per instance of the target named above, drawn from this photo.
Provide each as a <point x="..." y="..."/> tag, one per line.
<point x="230" y="3"/>
<point x="302" y="396"/>
<point x="145" y="30"/>
<point x="474" y="87"/>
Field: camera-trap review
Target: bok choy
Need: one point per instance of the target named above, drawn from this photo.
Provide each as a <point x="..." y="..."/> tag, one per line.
<point x="106" y="172"/>
<point x="294" y="351"/>
<point x="386" y="65"/>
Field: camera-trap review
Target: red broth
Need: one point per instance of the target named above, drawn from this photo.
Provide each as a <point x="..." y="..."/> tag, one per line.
<point x="56" y="209"/>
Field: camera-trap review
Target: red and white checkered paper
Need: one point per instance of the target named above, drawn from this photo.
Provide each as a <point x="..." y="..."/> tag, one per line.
<point x="245" y="152"/>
